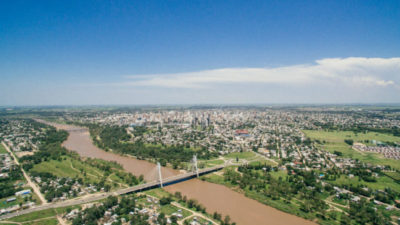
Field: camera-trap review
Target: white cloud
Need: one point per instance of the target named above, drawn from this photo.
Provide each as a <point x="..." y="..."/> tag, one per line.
<point x="355" y="71"/>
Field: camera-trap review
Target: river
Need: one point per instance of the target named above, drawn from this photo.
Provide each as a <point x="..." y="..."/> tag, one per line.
<point x="242" y="210"/>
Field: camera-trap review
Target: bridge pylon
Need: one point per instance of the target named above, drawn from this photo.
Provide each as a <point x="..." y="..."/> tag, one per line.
<point x="195" y="165"/>
<point x="159" y="174"/>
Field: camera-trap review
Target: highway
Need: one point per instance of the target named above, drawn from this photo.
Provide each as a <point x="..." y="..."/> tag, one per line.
<point x="99" y="196"/>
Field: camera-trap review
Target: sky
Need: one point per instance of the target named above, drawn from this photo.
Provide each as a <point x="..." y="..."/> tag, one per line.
<point x="199" y="52"/>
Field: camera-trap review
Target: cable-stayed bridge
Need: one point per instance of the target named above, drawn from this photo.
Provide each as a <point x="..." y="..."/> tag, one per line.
<point x="137" y="188"/>
<point x="168" y="180"/>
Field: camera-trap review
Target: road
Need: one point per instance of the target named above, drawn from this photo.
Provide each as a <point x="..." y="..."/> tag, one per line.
<point x="28" y="179"/>
<point x="99" y="196"/>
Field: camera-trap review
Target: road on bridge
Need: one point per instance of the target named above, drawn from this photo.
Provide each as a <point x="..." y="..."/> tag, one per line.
<point x="99" y="196"/>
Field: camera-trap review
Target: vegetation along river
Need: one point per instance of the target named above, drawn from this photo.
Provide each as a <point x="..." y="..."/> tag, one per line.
<point x="214" y="197"/>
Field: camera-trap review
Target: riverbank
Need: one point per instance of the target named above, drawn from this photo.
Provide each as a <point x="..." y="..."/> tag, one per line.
<point x="214" y="197"/>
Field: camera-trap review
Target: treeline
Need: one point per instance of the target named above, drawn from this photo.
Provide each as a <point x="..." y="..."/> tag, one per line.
<point x="115" y="138"/>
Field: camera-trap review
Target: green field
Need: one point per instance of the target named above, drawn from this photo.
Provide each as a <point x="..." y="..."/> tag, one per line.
<point x="169" y="209"/>
<point x="43" y="217"/>
<point x="70" y="167"/>
<point x="381" y="183"/>
<point x="211" y="163"/>
<point x="339" y="136"/>
<point x="158" y="193"/>
<point x="263" y="162"/>
<point x="47" y="221"/>
<point x="394" y="175"/>
<point x="279" y="173"/>
<point x="334" y="141"/>
<point x="241" y="155"/>
<point x="2" y="149"/>
<point x="34" y="216"/>
<point x="216" y="179"/>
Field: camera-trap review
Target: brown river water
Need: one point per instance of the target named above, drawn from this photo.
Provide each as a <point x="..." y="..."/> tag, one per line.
<point x="242" y="210"/>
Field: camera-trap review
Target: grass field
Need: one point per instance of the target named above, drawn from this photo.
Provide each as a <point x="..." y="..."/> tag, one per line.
<point x="69" y="168"/>
<point x="339" y="136"/>
<point x="34" y="216"/>
<point x="394" y="175"/>
<point x="74" y="168"/>
<point x="158" y="193"/>
<point x="216" y="179"/>
<point x="381" y="183"/>
<point x="47" y="221"/>
<point x="2" y="149"/>
<point x="263" y="162"/>
<point x="334" y="141"/>
<point x="212" y="162"/>
<point x="279" y="173"/>
<point x="169" y="209"/>
<point x="241" y="155"/>
<point x="44" y="217"/>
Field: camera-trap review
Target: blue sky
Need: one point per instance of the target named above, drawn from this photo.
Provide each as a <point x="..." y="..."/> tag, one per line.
<point x="199" y="52"/>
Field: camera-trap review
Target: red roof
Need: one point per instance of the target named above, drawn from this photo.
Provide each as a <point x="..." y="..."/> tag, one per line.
<point x="242" y="132"/>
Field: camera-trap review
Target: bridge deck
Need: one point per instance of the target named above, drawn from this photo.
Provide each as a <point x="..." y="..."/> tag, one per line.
<point x="96" y="197"/>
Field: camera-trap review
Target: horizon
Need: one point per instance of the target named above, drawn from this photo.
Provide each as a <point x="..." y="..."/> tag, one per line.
<point x="393" y="104"/>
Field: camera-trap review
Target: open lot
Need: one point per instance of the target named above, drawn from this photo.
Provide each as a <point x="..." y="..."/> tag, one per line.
<point x="340" y="136"/>
<point x="68" y="168"/>
<point x="170" y="209"/>
<point x="334" y="141"/>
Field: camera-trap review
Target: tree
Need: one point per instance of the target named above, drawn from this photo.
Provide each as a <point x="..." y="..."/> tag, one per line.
<point x="217" y="216"/>
<point x="165" y="200"/>
<point x="174" y="219"/>
<point x="227" y="219"/>
<point x="349" y="141"/>
<point x="161" y="219"/>
<point x="178" y="195"/>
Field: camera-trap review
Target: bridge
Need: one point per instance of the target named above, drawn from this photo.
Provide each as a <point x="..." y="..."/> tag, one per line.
<point x="168" y="181"/>
<point x="138" y="188"/>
